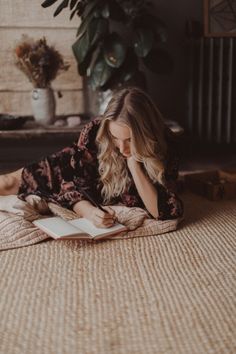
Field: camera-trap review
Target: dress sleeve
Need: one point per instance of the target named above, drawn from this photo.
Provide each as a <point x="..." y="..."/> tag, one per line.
<point x="170" y="205"/>
<point x="62" y="176"/>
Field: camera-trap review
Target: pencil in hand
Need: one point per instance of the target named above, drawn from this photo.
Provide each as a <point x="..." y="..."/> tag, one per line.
<point x="92" y="201"/>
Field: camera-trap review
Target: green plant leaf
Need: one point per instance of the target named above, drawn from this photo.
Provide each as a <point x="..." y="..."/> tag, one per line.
<point x="84" y="25"/>
<point x="159" y="61"/>
<point x="105" y="11"/>
<point x="73" y="3"/>
<point x="90" y="7"/>
<point x="101" y="73"/>
<point x="80" y="48"/>
<point x="147" y="20"/>
<point x="83" y="66"/>
<point x="62" y="6"/>
<point x="124" y="73"/>
<point x="48" y="3"/>
<point x="73" y="13"/>
<point x="95" y="54"/>
<point x="114" y="50"/>
<point x="129" y="67"/>
<point x="86" y="66"/>
<point x="96" y="29"/>
<point x="143" y="41"/>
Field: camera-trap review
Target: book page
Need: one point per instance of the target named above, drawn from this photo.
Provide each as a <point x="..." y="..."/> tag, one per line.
<point x="58" y="228"/>
<point x="88" y="227"/>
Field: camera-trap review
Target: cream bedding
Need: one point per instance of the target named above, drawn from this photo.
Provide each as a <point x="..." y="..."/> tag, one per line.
<point x="17" y="230"/>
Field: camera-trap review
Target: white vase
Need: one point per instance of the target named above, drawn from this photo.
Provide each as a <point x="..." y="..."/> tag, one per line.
<point x="43" y="105"/>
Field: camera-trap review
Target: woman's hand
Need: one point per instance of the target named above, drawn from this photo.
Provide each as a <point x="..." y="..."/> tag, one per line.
<point x="101" y="219"/>
<point x="98" y="217"/>
<point x="132" y="163"/>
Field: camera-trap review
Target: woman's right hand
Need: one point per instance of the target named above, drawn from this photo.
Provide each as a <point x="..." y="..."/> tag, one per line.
<point x="102" y="219"/>
<point x="98" y="217"/>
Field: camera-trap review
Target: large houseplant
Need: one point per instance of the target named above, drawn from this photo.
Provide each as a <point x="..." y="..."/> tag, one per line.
<point x="116" y="41"/>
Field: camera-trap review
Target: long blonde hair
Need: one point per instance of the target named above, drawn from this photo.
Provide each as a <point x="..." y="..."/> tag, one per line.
<point x="135" y="109"/>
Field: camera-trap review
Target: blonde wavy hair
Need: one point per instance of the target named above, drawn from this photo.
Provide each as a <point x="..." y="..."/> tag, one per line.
<point x="133" y="108"/>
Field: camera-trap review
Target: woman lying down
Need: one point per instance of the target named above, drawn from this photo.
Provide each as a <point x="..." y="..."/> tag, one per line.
<point x="125" y="156"/>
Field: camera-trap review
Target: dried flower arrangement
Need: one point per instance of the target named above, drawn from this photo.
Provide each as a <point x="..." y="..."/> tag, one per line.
<point x="40" y="63"/>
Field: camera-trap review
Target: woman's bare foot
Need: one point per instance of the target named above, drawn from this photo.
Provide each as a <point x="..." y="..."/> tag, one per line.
<point x="9" y="183"/>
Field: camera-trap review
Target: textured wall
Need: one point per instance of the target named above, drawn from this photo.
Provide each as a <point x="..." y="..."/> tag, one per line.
<point x="28" y="17"/>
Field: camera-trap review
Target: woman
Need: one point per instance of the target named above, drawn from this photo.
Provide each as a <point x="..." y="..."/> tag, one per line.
<point x="125" y="157"/>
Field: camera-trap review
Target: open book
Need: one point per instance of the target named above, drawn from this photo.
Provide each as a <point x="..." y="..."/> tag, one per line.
<point x="80" y="229"/>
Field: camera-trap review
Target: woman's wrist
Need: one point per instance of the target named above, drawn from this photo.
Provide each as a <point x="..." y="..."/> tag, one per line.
<point x="83" y="208"/>
<point x="98" y="217"/>
<point x="133" y="164"/>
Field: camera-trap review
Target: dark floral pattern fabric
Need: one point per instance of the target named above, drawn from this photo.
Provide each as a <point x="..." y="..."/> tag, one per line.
<point x="62" y="177"/>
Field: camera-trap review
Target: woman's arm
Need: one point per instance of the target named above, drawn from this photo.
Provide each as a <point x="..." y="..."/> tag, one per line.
<point x="98" y="217"/>
<point x="145" y="188"/>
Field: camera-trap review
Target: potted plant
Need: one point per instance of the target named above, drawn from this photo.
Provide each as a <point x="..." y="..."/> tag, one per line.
<point x="117" y="40"/>
<point x="41" y="64"/>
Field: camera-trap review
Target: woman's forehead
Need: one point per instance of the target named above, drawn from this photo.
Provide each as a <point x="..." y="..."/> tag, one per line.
<point x="119" y="130"/>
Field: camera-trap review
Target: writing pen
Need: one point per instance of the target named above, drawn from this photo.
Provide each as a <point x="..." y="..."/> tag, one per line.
<point x="87" y="196"/>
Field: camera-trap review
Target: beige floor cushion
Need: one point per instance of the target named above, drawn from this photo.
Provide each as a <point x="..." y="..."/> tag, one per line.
<point x="17" y="230"/>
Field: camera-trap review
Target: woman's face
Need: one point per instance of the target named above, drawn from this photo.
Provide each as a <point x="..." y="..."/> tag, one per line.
<point x="121" y="136"/>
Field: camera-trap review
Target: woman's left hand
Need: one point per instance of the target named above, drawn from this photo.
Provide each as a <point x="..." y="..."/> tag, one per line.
<point x="132" y="163"/>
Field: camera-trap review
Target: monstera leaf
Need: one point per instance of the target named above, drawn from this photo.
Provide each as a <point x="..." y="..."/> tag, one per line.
<point x="114" y="50"/>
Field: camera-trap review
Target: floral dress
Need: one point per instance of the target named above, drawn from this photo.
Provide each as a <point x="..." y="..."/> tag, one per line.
<point x="63" y="176"/>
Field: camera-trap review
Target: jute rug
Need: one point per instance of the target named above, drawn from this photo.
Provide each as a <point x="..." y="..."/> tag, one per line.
<point x="173" y="293"/>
